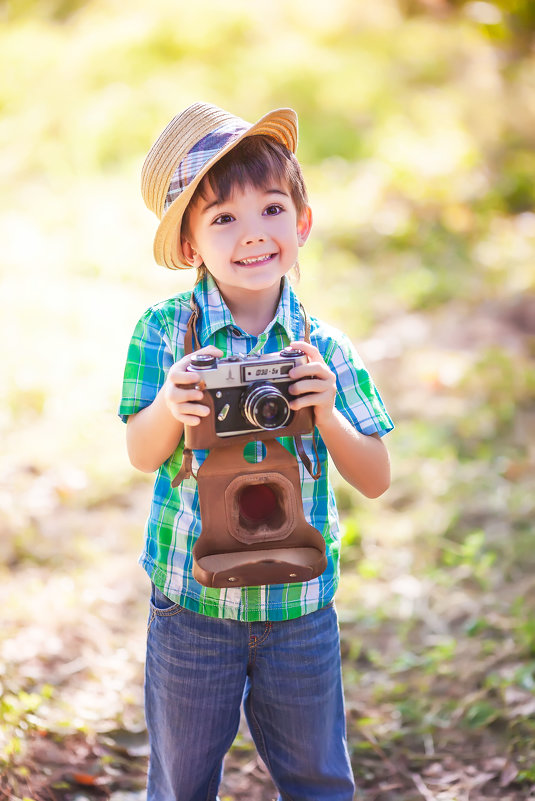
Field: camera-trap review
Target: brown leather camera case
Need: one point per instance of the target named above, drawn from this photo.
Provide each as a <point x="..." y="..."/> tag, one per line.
<point x="238" y="547"/>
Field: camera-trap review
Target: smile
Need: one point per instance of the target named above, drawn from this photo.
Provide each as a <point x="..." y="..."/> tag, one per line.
<point x="257" y="259"/>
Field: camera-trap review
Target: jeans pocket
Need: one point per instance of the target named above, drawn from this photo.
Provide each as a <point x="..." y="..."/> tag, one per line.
<point x="161" y="605"/>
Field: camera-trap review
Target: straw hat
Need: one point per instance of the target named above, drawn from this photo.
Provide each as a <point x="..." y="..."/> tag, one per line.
<point x="193" y="142"/>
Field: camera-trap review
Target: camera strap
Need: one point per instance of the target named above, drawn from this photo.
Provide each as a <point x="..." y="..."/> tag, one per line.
<point x="191" y="340"/>
<point x="191" y="343"/>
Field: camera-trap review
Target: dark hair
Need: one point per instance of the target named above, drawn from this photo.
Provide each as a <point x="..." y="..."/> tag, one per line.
<point x="255" y="161"/>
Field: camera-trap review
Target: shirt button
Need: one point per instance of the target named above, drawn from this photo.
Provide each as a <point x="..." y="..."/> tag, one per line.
<point x="235" y="332"/>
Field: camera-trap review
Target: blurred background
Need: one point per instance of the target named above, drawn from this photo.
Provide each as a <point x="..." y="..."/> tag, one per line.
<point x="417" y="126"/>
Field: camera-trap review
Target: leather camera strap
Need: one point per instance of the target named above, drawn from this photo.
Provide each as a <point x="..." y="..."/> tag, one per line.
<point x="305" y="459"/>
<point x="191" y="343"/>
<point x="306" y="322"/>
<point x="191" y="340"/>
<point x="185" y="468"/>
<point x="297" y="438"/>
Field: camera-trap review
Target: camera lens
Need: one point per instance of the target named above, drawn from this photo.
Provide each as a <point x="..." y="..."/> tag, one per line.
<point x="264" y="406"/>
<point x="269" y="410"/>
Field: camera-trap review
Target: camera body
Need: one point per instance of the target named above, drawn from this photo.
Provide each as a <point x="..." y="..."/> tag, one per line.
<point x="248" y="397"/>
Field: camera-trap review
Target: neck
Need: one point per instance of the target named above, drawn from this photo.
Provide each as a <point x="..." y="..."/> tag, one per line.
<point x="252" y="311"/>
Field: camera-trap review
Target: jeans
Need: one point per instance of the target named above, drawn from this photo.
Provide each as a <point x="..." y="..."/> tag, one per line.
<point x="288" y="674"/>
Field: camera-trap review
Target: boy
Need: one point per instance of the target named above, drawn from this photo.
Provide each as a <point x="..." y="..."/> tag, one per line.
<point x="232" y="203"/>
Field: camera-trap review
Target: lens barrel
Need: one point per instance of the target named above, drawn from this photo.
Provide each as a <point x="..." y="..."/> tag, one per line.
<point x="264" y="406"/>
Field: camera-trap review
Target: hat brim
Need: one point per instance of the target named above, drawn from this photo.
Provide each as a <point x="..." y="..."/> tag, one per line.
<point x="280" y="124"/>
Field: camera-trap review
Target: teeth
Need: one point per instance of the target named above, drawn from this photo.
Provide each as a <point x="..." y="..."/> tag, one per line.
<point x="255" y="260"/>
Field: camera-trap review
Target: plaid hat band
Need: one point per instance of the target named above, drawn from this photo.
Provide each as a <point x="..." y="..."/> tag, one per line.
<point x="201" y="153"/>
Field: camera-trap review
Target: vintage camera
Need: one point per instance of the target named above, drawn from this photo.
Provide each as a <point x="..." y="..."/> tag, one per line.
<point x="247" y="395"/>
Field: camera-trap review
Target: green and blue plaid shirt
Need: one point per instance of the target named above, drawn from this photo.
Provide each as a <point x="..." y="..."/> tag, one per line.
<point x="174" y="521"/>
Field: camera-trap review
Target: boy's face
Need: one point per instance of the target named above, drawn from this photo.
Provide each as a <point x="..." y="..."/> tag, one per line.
<point x="249" y="241"/>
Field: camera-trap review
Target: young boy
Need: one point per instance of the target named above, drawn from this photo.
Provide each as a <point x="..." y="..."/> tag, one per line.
<point x="232" y="203"/>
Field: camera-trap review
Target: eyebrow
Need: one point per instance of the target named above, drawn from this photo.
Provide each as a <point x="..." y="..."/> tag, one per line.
<point x="272" y="191"/>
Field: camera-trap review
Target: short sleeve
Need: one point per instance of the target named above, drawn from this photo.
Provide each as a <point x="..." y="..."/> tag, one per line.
<point x="357" y="398"/>
<point x="148" y="360"/>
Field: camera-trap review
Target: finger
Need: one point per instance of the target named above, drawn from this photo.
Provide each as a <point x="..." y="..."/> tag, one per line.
<point x="311" y="370"/>
<point x="209" y="350"/>
<point x="181" y="378"/>
<point x="311" y="351"/>
<point x="189" y="413"/>
<point x="181" y="394"/>
<point x="311" y="399"/>
<point x="193" y="409"/>
<point x="185" y="419"/>
<point x="305" y="386"/>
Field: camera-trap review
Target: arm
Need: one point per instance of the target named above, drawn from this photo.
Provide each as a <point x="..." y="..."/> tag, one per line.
<point x="361" y="459"/>
<point x="153" y="434"/>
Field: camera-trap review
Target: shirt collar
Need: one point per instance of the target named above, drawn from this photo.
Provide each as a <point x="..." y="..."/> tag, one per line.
<point x="215" y="313"/>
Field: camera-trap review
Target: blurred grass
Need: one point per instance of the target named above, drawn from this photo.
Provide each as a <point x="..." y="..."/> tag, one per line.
<point x="416" y="138"/>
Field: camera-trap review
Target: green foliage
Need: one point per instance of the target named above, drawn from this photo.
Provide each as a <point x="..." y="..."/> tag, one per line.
<point x="480" y="715"/>
<point x="17" y="716"/>
<point x="524" y="628"/>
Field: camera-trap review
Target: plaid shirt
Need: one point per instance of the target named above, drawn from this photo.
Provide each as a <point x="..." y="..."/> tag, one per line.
<point x="174" y="521"/>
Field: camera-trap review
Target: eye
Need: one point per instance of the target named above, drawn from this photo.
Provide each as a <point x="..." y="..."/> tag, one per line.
<point x="223" y="219"/>
<point x="273" y="209"/>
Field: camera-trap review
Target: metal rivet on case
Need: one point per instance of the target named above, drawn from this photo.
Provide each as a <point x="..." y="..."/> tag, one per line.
<point x="293" y="575"/>
<point x="232" y="578"/>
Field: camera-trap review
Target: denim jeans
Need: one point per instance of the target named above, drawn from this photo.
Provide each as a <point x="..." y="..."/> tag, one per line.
<point x="199" y="670"/>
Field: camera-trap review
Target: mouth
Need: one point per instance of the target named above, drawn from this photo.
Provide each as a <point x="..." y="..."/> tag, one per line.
<point x="256" y="260"/>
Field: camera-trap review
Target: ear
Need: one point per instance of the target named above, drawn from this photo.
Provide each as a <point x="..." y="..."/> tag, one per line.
<point x="190" y="254"/>
<point x="304" y="224"/>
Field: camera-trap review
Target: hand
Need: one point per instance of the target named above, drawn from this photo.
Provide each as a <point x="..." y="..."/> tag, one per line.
<point x="315" y="384"/>
<point x="181" y="396"/>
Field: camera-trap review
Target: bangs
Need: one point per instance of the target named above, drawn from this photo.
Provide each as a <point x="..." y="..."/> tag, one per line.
<point x="257" y="161"/>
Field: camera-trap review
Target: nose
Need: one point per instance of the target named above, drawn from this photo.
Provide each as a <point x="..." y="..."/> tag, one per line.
<point x="250" y="239"/>
<point x="253" y="232"/>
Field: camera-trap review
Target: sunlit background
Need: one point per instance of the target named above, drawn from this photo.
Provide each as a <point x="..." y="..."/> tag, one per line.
<point x="417" y="126"/>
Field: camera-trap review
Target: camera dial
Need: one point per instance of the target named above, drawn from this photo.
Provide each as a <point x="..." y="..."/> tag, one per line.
<point x="291" y="352"/>
<point x="264" y="406"/>
<point x="203" y="361"/>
